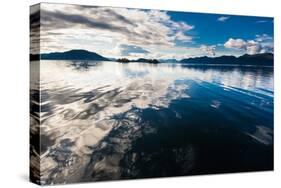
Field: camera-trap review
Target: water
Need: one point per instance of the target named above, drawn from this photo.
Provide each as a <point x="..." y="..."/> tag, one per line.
<point x="107" y="120"/>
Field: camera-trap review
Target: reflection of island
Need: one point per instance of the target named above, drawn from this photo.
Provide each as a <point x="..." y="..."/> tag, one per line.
<point x="263" y="59"/>
<point x="142" y="60"/>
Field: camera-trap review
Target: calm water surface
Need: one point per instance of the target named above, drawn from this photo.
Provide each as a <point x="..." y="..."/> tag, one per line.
<point x="107" y="120"/>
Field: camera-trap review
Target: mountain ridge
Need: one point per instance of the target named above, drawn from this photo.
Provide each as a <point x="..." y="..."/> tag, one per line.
<point x="246" y="59"/>
<point x="78" y="54"/>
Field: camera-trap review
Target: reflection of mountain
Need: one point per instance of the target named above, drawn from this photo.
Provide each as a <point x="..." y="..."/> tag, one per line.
<point x="257" y="59"/>
<point x="74" y="55"/>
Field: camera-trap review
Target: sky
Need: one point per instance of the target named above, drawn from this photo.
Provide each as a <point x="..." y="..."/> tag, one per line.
<point x="138" y="33"/>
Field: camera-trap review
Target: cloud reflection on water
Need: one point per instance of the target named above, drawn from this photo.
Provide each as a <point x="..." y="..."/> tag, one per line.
<point x="90" y="111"/>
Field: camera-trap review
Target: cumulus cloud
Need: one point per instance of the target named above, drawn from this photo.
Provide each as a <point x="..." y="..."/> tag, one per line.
<point x="266" y="42"/>
<point x="235" y="43"/>
<point x="262" y="44"/>
<point x="223" y="18"/>
<point x="267" y="49"/>
<point x="101" y="29"/>
<point x="209" y="50"/>
<point x="253" y="47"/>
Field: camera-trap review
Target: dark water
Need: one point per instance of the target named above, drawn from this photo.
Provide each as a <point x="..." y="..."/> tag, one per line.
<point x="106" y="120"/>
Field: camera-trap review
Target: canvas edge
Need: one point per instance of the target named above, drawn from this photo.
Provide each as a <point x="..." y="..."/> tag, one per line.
<point x="34" y="94"/>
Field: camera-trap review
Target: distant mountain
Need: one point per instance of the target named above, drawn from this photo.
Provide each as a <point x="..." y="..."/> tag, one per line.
<point x="169" y="61"/>
<point x="73" y="55"/>
<point x="257" y="59"/>
<point x="112" y="58"/>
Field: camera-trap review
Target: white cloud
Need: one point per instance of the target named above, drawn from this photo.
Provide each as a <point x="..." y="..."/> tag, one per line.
<point x="223" y="18"/>
<point x="209" y="50"/>
<point x="266" y="42"/>
<point x="251" y="46"/>
<point x="235" y="43"/>
<point x="104" y="29"/>
<point x="182" y="37"/>
<point x="264" y="38"/>
<point x="180" y="26"/>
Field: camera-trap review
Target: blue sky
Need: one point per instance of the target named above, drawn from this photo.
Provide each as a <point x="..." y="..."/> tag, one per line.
<point x="137" y="33"/>
<point x="212" y="31"/>
<point x="216" y="29"/>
